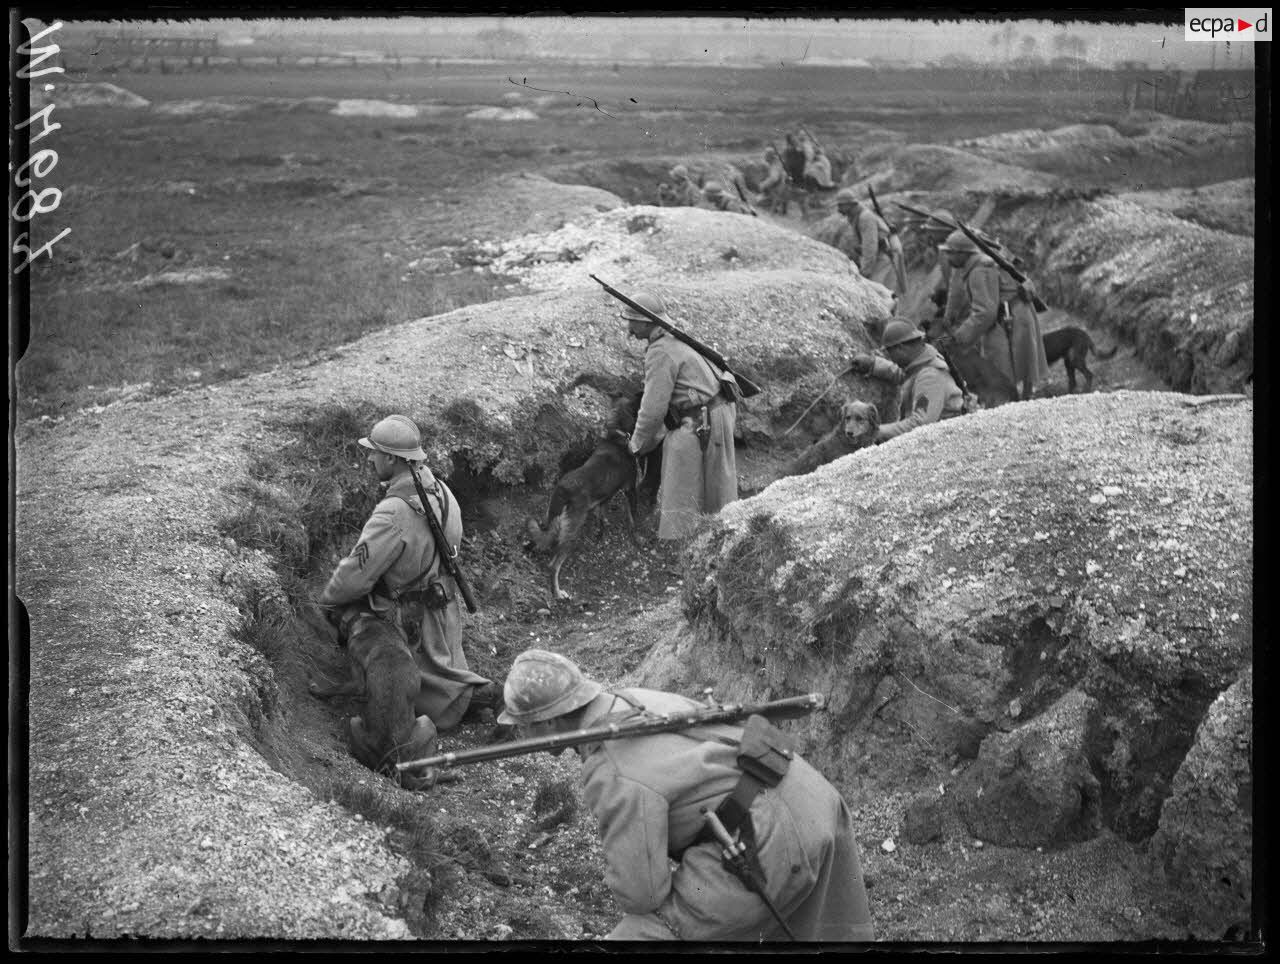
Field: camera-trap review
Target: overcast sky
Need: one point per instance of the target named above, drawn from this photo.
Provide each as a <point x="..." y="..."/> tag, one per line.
<point x="1156" y="44"/>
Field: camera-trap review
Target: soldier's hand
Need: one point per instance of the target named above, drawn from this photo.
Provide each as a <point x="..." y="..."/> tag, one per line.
<point x="862" y="363"/>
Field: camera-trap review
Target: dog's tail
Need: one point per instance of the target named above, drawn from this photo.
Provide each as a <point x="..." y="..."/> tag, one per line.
<point x="543" y="535"/>
<point x="1104" y="355"/>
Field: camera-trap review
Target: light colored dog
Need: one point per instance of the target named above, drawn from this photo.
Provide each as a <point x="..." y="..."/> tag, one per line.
<point x="857" y="429"/>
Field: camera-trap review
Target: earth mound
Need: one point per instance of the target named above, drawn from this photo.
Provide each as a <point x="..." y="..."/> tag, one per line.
<point x="1044" y="639"/>
<point x="1086" y="148"/>
<point x="86" y="95"/>
<point x="1225" y="206"/>
<point x="937" y="168"/>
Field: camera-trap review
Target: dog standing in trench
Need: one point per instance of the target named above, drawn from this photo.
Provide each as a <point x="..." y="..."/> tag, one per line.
<point x="610" y="469"/>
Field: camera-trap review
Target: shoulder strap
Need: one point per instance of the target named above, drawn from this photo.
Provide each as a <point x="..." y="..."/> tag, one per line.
<point x="438" y="491"/>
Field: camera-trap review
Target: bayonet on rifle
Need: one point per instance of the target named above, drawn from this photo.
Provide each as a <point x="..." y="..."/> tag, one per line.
<point x="746" y="386"/>
<point x="646" y="725"/>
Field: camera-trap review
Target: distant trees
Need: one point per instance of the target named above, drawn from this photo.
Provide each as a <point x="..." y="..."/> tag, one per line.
<point x="1003" y="38"/>
<point x="1070" y="45"/>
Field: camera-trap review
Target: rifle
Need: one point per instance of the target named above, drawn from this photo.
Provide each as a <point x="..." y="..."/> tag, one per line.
<point x="782" y="159"/>
<point x="737" y="186"/>
<point x="448" y="554"/>
<point x="821" y="396"/>
<point x="1003" y="264"/>
<point x="898" y="267"/>
<point x="918" y="212"/>
<point x="745" y="385"/>
<point x="933" y="217"/>
<point x="791" y="708"/>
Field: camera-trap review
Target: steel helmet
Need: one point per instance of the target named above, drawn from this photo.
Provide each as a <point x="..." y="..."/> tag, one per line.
<point x="941" y="220"/>
<point x="846" y="196"/>
<point x="957" y="240"/>
<point x="542" y="686"/>
<point x="679" y="171"/>
<point x="713" y="188"/>
<point x="899" y="331"/>
<point x="648" y="300"/>
<point x="396" y="435"/>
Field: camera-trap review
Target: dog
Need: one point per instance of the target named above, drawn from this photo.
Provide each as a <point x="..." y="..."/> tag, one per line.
<point x="1072" y="345"/>
<point x="857" y="430"/>
<point x="610" y="469"/>
<point x="385" y="675"/>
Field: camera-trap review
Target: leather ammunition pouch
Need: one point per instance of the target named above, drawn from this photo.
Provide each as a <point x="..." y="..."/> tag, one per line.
<point x="764" y="756"/>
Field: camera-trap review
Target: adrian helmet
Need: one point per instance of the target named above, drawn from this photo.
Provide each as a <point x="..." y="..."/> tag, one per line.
<point x="958" y="241"/>
<point x="941" y="222"/>
<point x="898" y="331"/>
<point x="396" y="435"/>
<point x="544" y="685"/>
<point x="846" y="196"/>
<point x="646" y="299"/>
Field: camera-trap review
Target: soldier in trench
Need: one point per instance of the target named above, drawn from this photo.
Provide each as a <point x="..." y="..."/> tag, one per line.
<point x="985" y="308"/>
<point x="394" y="571"/>
<point x="649" y="794"/>
<point x="682" y="410"/>
<point x="926" y="391"/>
<point x="684" y="191"/>
<point x="877" y="248"/>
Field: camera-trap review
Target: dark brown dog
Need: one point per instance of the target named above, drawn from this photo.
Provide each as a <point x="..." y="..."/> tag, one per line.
<point x="609" y="469"/>
<point x="857" y="430"/>
<point x="385" y="675"/>
<point x="1072" y="345"/>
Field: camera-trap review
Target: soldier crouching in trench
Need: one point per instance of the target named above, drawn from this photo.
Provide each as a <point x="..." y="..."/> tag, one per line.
<point x="650" y="795"/>
<point x="396" y="564"/>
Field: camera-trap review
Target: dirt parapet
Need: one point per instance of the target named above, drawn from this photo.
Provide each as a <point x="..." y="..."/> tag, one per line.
<point x="1061" y="545"/>
<point x="1225" y="206"/>
<point x="1205" y="840"/>
<point x="1116" y="150"/>
<point x="937" y="168"/>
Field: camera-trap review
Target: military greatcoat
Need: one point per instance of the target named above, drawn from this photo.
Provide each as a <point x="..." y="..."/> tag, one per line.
<point x="647" y="793"/>
<point x="972" y="315"/>
<point x="396" y="552"/>
<point x="876" y="249"/>
<point x="695" y="480"/>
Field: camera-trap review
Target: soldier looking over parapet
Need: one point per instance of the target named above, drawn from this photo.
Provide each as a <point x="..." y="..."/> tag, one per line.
<point x="927" y="391"/>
